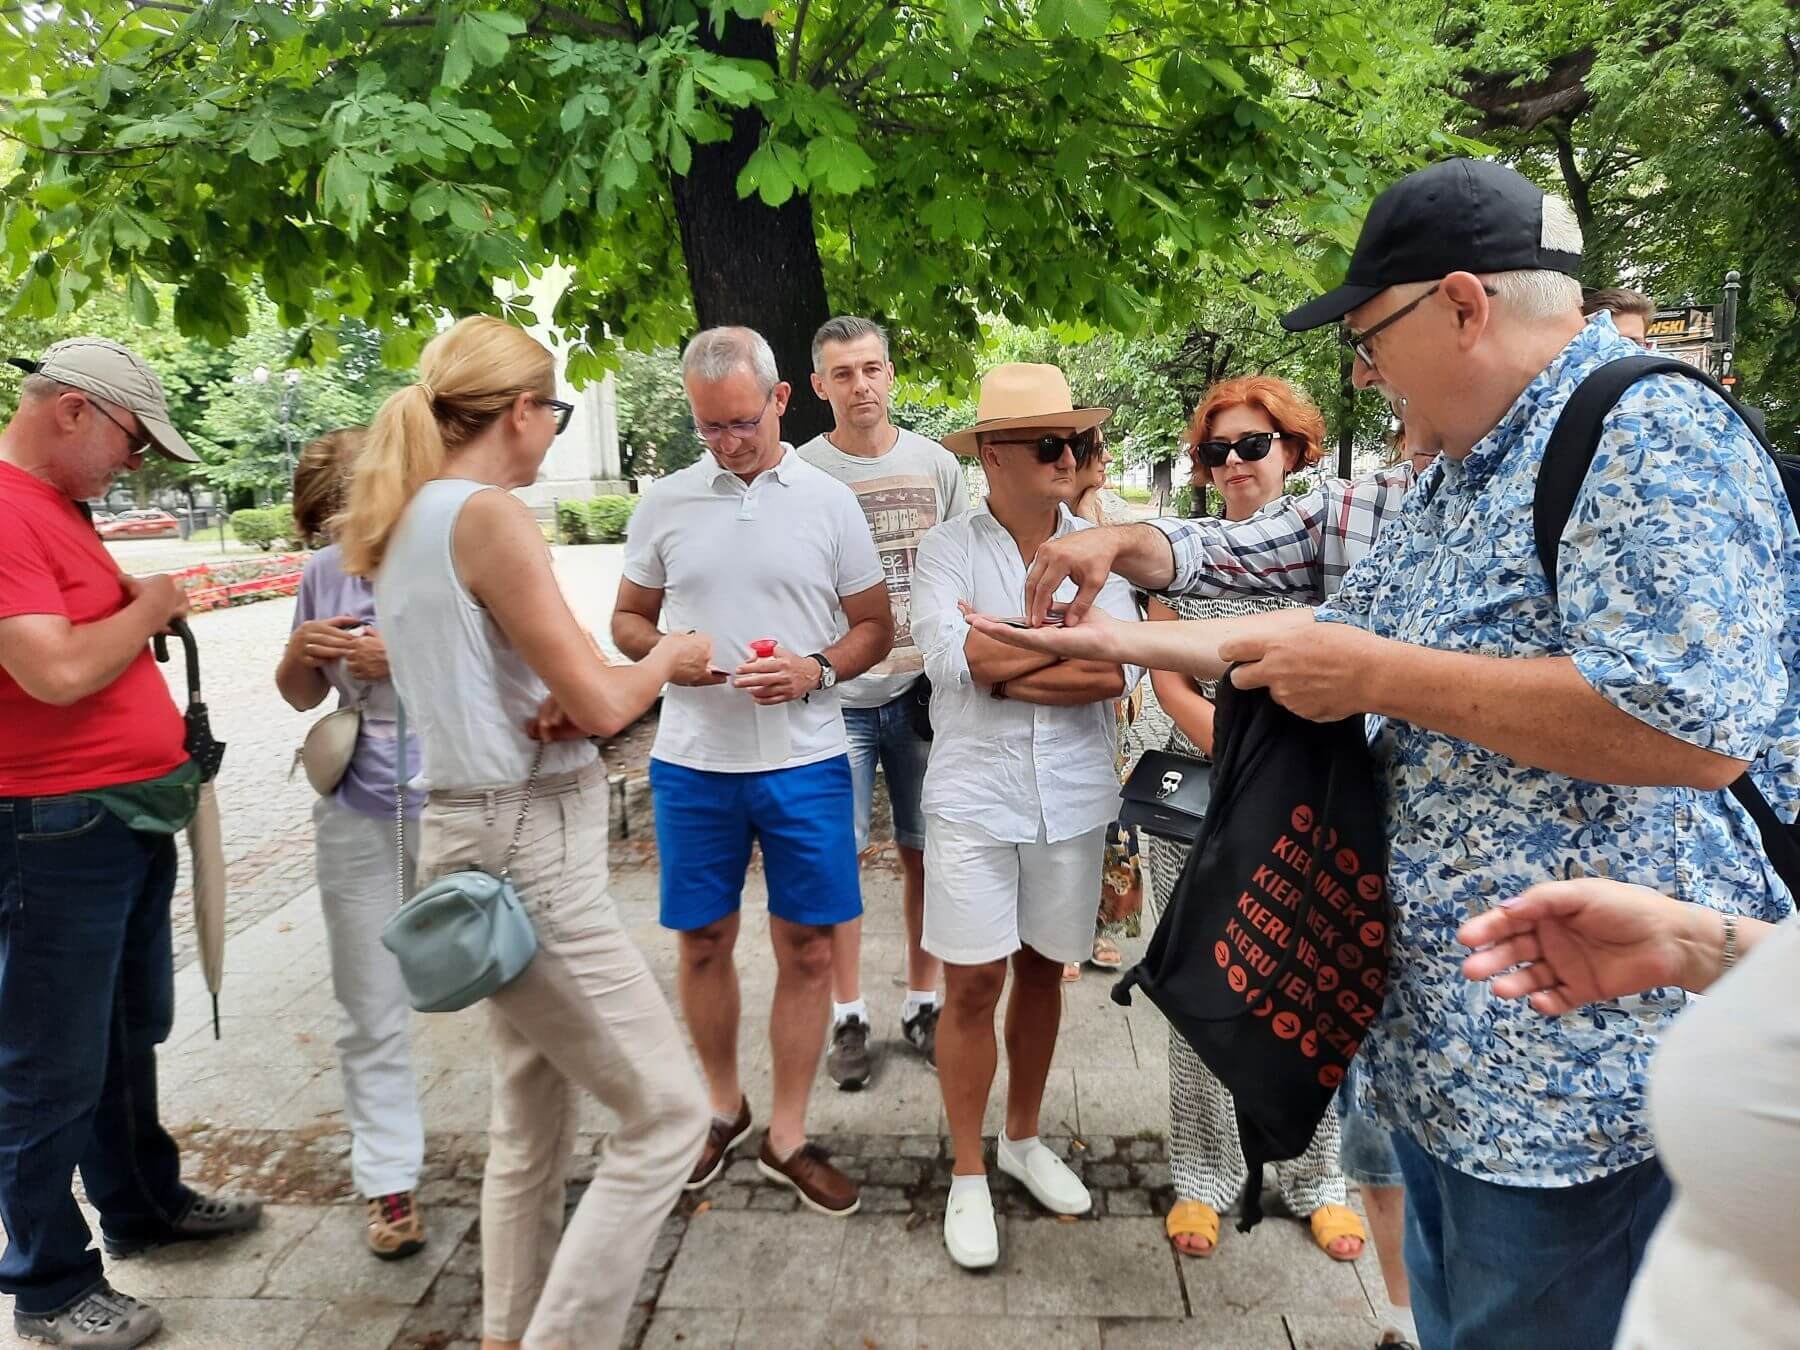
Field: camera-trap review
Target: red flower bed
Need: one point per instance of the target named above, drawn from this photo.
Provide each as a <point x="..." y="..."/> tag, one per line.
<point x="240" y="582"/>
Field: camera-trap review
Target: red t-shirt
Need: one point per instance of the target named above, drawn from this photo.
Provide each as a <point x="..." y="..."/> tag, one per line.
<point x="52" y="562"/>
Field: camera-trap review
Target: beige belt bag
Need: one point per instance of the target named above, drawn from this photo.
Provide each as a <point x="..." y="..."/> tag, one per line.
<point x="326" y="752"/>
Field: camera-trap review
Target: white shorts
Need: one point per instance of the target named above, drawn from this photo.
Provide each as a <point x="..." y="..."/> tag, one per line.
<point x="985" y="898"/>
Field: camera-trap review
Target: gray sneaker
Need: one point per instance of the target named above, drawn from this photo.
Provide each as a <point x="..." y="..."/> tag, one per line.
<point x="101" y="1319"/>
<point x="848" y="1062"/>
<point x="208" y="1217"/>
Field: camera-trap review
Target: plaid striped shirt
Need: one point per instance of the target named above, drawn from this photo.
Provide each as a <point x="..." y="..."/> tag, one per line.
<point x="1299" y="546"/>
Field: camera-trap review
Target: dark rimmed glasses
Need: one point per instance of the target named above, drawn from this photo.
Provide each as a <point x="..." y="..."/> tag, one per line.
<point x="1049" y="447"/>
<point x="138" y="440"/>
<point x="563" y="411"/>
<point x="1359" y="342"/>
<point x="710" y="432"/>
<point x="1250" y="447"/>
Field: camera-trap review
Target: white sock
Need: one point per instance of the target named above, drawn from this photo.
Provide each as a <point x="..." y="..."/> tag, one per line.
<point x="960" y="1185"/>
<point x="1019" y="1148"/>
<point x="843" y="1012"/>
<point x="1401" y="1320"/>
<point x="916" y="999"/>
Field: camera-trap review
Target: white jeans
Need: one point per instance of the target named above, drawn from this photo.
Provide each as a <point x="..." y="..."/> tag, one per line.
<point x="354" y="862"/>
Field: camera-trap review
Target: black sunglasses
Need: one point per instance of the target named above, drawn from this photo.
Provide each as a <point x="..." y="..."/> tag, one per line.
<point x="564" y="411"/>
<point x="1049" y="447"/>
<point x="139" y="440"/>
<point x="1250" y="448"/>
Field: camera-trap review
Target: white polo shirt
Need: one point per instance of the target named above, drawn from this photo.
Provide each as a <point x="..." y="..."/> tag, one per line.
<point x="739" y="561"/>
<point x="1019" y="771"/>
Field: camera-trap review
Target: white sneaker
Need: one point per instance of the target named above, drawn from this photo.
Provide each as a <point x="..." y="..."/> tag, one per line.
<point x="1046" y="1176"/>
<point x="969" y="1231"/>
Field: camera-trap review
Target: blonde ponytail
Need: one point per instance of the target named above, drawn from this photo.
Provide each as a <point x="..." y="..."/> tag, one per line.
<point x="468" y="375"/>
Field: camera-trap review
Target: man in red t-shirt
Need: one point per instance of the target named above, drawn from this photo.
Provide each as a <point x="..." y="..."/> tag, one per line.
<point x="86" y="977"/>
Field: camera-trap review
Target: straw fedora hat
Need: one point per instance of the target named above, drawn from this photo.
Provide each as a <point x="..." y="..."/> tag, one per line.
<point x="1020" y="394"/>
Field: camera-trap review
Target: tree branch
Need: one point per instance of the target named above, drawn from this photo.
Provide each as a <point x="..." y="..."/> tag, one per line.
<point x="794" y="41"/>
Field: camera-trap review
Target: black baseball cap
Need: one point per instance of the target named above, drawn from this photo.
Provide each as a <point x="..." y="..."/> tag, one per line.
<point x="1463" y="215"/>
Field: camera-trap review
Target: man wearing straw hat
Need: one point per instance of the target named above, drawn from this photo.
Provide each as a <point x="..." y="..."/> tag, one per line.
<point x="1018" y="793"/>
<point x="94" y="782"/>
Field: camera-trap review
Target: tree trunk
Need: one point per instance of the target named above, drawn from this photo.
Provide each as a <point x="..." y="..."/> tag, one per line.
<point x="748" y="263"/>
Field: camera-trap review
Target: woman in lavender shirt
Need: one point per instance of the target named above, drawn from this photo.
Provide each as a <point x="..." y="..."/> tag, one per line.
<point x="336" y="645"/>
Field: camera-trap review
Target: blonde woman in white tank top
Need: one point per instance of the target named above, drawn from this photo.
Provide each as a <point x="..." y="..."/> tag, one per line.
<point x="492" y="667"/>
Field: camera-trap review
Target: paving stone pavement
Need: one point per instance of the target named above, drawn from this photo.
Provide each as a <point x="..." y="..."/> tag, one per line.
<point x="737" y="1266"/>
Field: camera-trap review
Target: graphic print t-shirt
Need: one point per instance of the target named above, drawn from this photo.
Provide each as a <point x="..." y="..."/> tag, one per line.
<point x="914" y="486"/>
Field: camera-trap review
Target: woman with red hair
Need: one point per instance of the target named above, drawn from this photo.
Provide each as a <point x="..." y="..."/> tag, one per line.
<point x="1246" y="437"/>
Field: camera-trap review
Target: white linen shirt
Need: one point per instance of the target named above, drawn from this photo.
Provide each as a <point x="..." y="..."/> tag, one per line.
<point x="738" y="561"/>
<point x="1022" y="772"/>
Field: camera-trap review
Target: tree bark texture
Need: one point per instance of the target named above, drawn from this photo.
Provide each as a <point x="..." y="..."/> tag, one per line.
<point x="748" y="263"/>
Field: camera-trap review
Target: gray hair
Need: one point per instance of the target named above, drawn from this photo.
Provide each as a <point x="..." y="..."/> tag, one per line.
<point x="1538" y="295"/>
<point x="845" y="328"/>
<point x="714" y="354"/>
<point x="36" y="386"/>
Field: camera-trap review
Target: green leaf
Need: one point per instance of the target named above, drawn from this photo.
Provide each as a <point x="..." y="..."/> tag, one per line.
<point x="488" y="34"/>
<point x="840" y="166"/>
<point x="142" y="300"/>
<point x="1226" y="75"/>
<point x="765" y="174"/>
<point x="1073" y="18"/>
<point x="962" y="20"/>
<point x="681" y="153"/>
<point x="458" y="62"/>
<point x="264" y="146"/>
<point x="728" y="82"/>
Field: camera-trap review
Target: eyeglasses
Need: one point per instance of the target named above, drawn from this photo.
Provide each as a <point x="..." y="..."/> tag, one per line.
<point x="710" y="432"/>
<point x="1250" y="448"/>
<point x="139" y="440"/>
<point x="563" y="411"/>
<point x="1084" y="445"/>
<point x="1359" y="342"/>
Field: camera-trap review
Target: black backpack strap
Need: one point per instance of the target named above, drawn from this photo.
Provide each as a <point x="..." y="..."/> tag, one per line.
<point x="1568" y="454"/>
<point x="1576" y="436"/>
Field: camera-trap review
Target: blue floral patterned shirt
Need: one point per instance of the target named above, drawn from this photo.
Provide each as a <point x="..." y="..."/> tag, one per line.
<point x="1678" y="578"/>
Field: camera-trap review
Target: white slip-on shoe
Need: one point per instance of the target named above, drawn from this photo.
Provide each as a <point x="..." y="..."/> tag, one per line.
<point x="969" y="1232"/>
<point x="1046" y="1176"/>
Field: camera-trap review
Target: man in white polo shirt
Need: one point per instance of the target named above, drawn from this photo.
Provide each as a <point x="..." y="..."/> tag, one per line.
<point x="752" y="545"/>
<point x="1018" y="795"/>
<point x="906" y="484"/>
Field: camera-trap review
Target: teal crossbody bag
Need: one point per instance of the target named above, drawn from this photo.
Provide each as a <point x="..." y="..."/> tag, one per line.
<point x="466" y="935"/>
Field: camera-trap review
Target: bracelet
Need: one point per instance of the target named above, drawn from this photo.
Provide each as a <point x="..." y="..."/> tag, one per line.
<point x="1728" y="958"/>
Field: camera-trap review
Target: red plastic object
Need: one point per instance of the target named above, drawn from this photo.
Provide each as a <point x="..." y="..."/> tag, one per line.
<point x="763" y="648"/>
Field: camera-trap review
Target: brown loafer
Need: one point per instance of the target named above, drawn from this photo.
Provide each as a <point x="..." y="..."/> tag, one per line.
<point x="720" y="1140"/>
<point x="395" y="1229"/>
<point x="822" y="1187"/>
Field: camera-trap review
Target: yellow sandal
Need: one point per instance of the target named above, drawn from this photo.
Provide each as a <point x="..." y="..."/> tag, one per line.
<point x="1332" y="1222"/>
<point x="1190" y="1218"/>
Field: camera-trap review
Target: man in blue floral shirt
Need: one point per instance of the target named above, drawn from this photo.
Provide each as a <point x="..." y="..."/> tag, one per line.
<point x="1661" y="664"/>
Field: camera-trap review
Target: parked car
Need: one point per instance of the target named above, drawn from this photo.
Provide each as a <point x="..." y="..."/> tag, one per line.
<point x="103" y="518"/>
<point x="141" y="525"/>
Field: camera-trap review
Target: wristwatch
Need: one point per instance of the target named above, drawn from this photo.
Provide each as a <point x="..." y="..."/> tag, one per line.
<point x="827" y="675"/>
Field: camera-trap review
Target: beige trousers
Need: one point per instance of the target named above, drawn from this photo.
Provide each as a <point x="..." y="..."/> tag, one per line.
<point x="586" y="1015"/>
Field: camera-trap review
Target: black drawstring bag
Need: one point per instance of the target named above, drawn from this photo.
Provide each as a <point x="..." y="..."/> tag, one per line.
<point x="1271" y="959"/>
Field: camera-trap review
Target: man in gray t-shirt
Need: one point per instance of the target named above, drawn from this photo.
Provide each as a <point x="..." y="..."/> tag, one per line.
<point x="905" y="484"/>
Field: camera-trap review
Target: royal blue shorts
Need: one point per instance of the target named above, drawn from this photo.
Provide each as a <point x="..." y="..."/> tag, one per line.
<point x="803" y="817"/>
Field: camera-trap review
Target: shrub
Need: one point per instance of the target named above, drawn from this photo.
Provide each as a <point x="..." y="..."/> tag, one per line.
<point x="572" y="523"/>
<point x="608" y="518"/>
<point x="264" y="527"/>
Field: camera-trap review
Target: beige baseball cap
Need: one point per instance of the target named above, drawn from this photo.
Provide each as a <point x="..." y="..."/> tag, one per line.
<point x="103" y="368"/>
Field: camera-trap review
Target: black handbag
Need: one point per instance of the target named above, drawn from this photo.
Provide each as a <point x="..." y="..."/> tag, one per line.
<point x="1167" y="795"/>
<point x="918" y="707"/>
